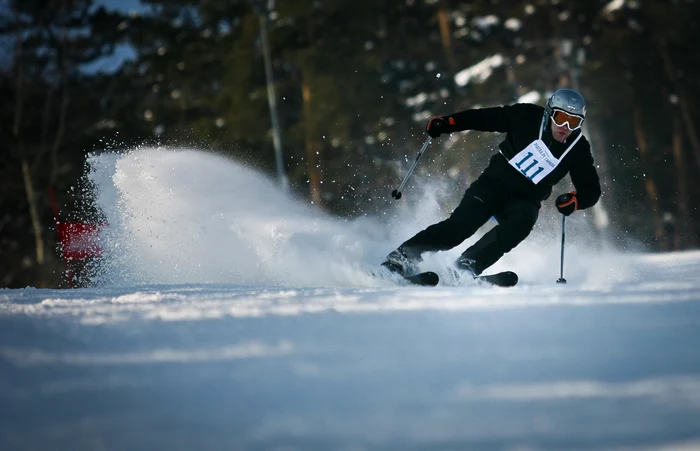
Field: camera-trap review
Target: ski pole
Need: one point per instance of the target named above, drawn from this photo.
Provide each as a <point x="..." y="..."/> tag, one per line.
<point x="561" y="278"/>
<point x="396" y="194"/>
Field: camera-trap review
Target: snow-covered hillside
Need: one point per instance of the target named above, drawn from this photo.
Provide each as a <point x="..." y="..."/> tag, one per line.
<point x="232" y="317"/>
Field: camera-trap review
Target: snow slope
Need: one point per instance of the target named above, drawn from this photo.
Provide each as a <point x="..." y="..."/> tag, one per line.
<point x="230" y="316"/>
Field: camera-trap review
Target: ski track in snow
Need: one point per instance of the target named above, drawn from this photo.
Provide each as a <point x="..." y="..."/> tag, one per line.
<point x="230" y="316"/>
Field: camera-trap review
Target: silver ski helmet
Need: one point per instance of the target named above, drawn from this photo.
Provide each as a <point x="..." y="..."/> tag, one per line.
<point x="566" y="106"/>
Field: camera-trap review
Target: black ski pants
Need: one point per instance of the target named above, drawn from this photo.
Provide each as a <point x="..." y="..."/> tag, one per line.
<point x="485" y="198"/>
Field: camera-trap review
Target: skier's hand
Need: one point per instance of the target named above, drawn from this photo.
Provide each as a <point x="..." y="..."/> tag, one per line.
<point x="567" y="203"/>
<point x="438" y="126"/>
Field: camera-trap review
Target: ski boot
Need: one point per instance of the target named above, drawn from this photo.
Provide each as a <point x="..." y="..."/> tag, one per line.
<point x="401" y="262"/>
<point x="467" y="266"/>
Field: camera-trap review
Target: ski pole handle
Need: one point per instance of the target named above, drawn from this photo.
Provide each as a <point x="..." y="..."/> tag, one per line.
<point x="396" y="194"/>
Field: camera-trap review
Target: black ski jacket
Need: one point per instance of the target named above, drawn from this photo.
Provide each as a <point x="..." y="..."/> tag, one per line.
<point x="521" y="123"/>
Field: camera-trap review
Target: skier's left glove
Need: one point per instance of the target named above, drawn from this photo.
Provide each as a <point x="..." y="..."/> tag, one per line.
<point x="567" y="203"/>
<point x="439" y="125"/>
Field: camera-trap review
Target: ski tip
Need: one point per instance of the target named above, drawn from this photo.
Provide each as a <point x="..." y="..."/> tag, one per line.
<point x="513" y="276"/>
<point x="501" y="279"/>
<point x="426" y="279"/>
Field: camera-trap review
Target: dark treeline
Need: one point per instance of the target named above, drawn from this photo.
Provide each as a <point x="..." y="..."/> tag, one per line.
<point x="355" y="82"/>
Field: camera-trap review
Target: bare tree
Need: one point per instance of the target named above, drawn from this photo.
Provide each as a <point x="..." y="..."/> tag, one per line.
<point x="20" y="148"/>
<point x="649" y="183"/>
<point x="688" y="123"/>
<point x="682" y="213"/>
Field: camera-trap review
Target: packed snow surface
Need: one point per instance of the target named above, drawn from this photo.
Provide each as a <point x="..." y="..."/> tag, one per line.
<point x="231" y="316"/>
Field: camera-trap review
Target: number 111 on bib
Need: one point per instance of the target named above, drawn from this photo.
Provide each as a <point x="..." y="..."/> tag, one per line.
<point x="529" y="170"/>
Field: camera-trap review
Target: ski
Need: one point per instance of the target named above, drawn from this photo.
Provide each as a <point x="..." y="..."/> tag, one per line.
<point x="425" y="279"/>
<point x="500" y="279"/>
<point x="431" y="279"/>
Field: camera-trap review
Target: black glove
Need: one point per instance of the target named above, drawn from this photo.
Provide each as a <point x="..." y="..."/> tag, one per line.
<point x="567" y="203"/>
<point x="438" y="125"/>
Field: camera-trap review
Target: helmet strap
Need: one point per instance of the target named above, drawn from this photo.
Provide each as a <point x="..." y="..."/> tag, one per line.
<point x="543" y="127"/>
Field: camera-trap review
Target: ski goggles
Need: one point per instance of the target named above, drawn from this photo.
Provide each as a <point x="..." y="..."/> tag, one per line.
<point x="572" y="121"/>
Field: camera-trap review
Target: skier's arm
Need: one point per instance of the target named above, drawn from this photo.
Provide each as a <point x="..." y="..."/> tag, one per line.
<point x="585" y="179"/>
<point x="494" y="119"/>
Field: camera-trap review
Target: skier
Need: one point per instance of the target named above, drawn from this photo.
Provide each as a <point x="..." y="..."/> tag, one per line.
<point x="541" y="146"/>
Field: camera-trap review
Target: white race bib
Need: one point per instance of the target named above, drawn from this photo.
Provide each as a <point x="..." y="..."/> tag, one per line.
<point x="535" y="161"/>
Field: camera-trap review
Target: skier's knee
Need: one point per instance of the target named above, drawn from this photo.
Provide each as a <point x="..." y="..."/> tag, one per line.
<point x="509" y="239"/>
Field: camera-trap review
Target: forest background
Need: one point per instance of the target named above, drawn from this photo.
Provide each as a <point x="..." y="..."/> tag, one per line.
<point x="350" y="86"/>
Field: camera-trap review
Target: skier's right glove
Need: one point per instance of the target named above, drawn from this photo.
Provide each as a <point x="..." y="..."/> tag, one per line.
<point x="438" y="126"/>
<point x="567" y="203"/>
